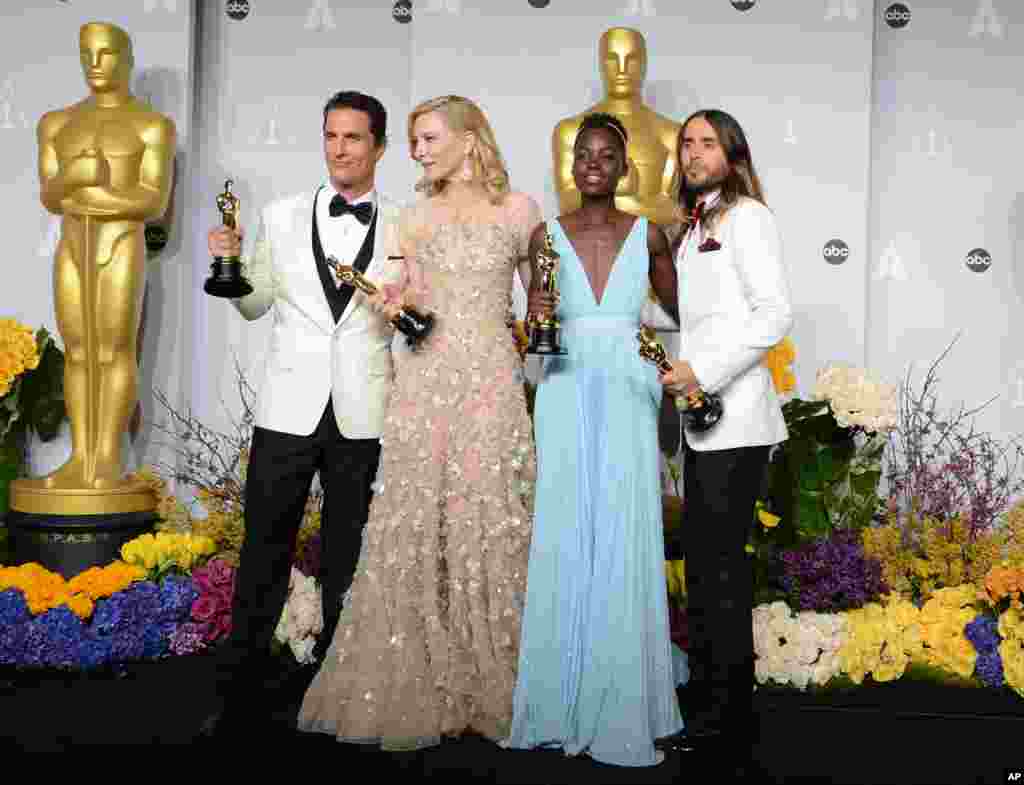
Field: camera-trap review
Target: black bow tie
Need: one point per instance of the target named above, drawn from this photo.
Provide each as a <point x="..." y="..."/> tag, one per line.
<point x="363" y="211"/>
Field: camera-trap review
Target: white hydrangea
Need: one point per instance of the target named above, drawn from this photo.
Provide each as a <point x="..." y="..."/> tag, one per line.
<point x="797" y="649"/>
<point x="302" y="619"/>
<point x="856" y="399"/>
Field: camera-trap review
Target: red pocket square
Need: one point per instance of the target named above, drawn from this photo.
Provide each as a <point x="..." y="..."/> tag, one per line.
<point x="711" y="244"/>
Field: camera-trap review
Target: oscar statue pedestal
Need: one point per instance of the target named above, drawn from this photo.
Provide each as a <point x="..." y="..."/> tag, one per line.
<point x="68" y="531"/>
<point x="70" y="544"/>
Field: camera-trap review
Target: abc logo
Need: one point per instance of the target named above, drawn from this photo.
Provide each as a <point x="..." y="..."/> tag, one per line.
<point x="979" y="260"/>
<point x="237" y="9"/>
<point x="836" y="252"/>
<point x="540" y="3"/>
<point x="743" y="5"/>
<point x="402" y="12"/>
<point x="897" y="15"/>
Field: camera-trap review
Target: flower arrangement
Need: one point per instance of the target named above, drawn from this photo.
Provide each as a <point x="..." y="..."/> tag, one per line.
<point x="883" y="638"/>
<point x="302" y="620"/>
<point x="213" y="465"/>
<point x="796" y="648"/>
<point x="167" y="551"/>
<point x="939" y="464"/>
<point x="825" y="476"/>
<point x="108" y="615"/>
<point x="944" y="619"/>
<point x="44" y="590"/>
<point x="832" y="574"/>
<point x="926" y="553"/>
<point x="31" y="394"/>
<point x="132" y="623"/>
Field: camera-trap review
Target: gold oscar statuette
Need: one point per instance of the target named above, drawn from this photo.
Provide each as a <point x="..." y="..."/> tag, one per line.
<point x="699" y="410"/>
<point x="226" y="279"/>
<point x="545" y="331"/>
<point x="649" y="187"/>
<point x="105" y="167"/>
<point x="414" y="325"/>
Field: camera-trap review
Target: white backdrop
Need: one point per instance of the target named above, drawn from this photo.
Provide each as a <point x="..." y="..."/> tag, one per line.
<point x="894" y="138"/>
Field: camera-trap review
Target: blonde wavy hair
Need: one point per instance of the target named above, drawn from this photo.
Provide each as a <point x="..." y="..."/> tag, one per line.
<point x="460" y="115"/>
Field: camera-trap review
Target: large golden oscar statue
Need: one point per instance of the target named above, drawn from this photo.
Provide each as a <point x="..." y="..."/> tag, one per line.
<point x="105" y="165"/>
<point x="648" y="188"/>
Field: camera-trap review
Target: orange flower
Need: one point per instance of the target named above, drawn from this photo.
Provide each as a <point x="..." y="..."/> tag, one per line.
<point x="1005" y="580"/>
<point x="778" y="360"/>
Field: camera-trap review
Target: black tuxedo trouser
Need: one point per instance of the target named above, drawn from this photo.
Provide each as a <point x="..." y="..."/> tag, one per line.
<point x="720" y="490"/>
<point x="280" y="473"/>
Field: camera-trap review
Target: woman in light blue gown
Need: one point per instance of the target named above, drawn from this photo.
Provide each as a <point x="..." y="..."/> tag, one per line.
<point x="595" y="662"/>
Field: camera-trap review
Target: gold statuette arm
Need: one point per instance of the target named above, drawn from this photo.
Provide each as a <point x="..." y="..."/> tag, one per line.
<point x="56" y="185"/>
<point x="142" y="202"/>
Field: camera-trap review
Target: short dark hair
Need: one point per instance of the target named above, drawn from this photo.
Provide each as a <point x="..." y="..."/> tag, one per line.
<point x="609" y="123"/>
<point x="350" y="99"/>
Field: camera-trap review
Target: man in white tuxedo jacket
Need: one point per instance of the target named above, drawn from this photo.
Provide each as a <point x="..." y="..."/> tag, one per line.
<point x="733" y="306"/>
<point x="327" y="380"/>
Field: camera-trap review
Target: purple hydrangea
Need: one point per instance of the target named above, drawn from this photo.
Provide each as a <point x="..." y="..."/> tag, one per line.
<point x="13" y="608"/>
<point x="94" y="651"/>
<point x="983" y="632"/>
<point x="64" y="633"/>
<point x="139" y="622"/>
<point x="832" y="574"/>
<point x="989" y="668"/>
<point x="177" y="593"/>
<point x="187" y="638"/>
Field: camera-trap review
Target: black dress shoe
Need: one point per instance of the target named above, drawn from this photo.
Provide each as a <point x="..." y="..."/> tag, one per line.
<point x="210" y="724"/>
<point x="677" y="742"/>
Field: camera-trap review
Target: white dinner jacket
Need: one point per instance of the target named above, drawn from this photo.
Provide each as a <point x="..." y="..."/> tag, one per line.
<point x="733" y="306"/>
<point x="310" y="357"/>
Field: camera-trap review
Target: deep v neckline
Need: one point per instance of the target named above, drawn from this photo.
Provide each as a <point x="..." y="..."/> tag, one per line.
<point x="615" y="261"/>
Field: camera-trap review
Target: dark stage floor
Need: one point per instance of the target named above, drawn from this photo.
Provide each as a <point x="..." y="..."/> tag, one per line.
<point x="905" y="732"/>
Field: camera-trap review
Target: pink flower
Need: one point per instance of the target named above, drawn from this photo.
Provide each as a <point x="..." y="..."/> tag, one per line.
<point x="222" y="625"/>
<point x="205" y="608"/>
<point x="221" y="573"/>
<point x="201" y="580"/>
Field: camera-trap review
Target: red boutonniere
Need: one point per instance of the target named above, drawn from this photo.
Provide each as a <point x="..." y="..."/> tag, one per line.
<point x="710" y="244"/>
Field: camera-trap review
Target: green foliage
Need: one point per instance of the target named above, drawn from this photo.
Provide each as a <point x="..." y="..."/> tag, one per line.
<point x="825" y="476"/>
<point x="36" y="399"/>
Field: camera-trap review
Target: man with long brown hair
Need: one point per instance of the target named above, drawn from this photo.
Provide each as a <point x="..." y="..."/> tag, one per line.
<point x="733" y="307"/>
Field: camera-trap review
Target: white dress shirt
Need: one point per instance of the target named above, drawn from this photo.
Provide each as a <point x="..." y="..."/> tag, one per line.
<point x="341" y="236"/>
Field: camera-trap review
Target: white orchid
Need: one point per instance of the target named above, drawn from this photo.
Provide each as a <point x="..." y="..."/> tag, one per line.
<point x="302" y="619"/>
<point x="797" y="649"/>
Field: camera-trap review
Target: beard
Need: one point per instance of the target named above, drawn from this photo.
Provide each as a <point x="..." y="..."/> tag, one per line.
<point x="709" y="181"/>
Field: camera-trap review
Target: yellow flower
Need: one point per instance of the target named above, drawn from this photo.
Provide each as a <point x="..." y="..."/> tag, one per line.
<point x="768" y="520"/>
<point x="778" y="360"/>
<point x="19" y="352"/>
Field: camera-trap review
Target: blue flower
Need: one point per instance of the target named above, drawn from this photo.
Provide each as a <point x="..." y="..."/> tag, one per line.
<point x="177" y="593"/>
<point x="64" y="633"/>
<point x="13" y="608"/>
<point x="989" y="668"/>
<point x="983" y="632"/>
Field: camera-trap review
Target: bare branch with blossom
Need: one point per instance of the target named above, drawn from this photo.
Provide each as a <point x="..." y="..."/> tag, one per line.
<point x="941" y="465"/>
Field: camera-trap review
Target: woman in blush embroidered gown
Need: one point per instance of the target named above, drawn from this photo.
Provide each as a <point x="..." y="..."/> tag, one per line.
<point x="595" y="662"/>
<point x="427" y="644"/>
